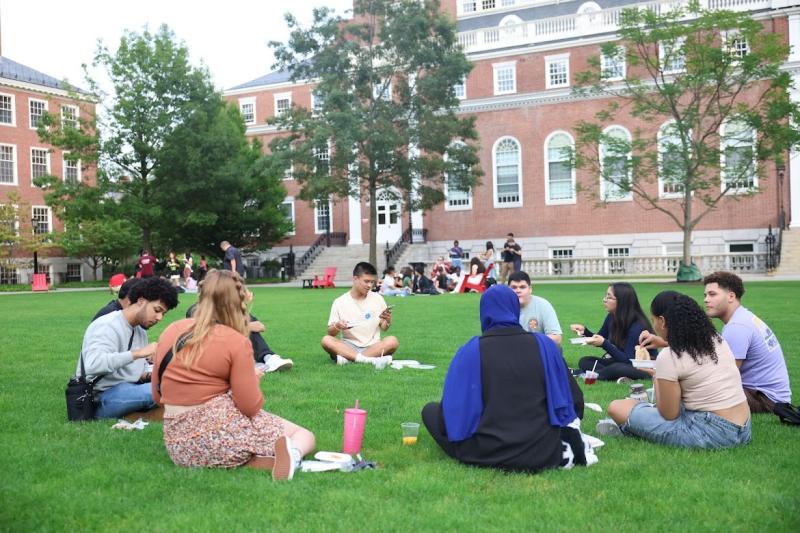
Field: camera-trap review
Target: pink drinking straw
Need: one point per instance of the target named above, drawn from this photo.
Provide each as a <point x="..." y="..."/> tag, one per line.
<point x="357" y="400"/>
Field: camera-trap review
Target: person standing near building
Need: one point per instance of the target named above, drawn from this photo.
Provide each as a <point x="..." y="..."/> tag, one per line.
<point x="456" y="253"/>
<point x="512" y="258"/>
<point x="146" y="264"/>
<point x="233" y="258"/>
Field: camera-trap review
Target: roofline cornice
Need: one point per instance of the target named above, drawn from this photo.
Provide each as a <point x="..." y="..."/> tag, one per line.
<point x="35" y="87"/>
<point x="268" y="86"/>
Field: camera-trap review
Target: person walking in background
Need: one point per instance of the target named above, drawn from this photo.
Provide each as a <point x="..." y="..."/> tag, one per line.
<point x="233" y="258"/>
<point x="146" y="264"/>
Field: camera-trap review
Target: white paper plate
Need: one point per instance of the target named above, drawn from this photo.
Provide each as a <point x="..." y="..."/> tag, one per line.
<point x="579" y="340"/>
<point x="422" y="367"/>
<point x="404" y="362"/>
<point x="333" y="457"/>
<point x="638" y="363"/>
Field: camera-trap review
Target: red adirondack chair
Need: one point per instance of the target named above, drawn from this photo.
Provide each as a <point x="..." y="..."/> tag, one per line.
<point x="39" y="283"/>
<point x="327" y="279"/>
<point x="477" y="284"/>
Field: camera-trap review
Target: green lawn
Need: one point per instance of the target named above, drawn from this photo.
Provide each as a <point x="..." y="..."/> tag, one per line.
<point x="55" y="475"/>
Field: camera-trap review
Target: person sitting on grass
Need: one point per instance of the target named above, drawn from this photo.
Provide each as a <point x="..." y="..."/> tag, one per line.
<point x="618" y="336"/>
<point x="115" y="347"/>
<point x="536" y="313"/>
<point x="210" y="390"/>
<point x="422" y="284"/>
<point x="390" y="287"/>
<point x="359" y="315"/>
<point x="699" y="398"/>
<point x="121" y="301"/>
<point x="508" y="400"/>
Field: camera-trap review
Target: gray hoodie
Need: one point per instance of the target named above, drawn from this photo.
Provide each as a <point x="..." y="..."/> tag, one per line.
<point x="105" y="351"/>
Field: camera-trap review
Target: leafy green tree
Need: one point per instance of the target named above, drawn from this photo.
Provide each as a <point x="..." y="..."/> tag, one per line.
<point x="712" y="82"/>
<point x="10" y="238"/>
<point x="100" y="242"/>
<point x="385" y="110"/>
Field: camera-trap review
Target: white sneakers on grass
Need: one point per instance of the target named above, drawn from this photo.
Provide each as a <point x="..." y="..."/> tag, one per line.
<point x="276" y="363"/>
<point x="378" y="362"/>
<point x="608" y="428"/>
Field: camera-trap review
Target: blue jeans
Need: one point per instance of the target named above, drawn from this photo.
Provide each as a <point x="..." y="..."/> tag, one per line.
<point x="692" y="429"/>
<point x="124" y="398"/>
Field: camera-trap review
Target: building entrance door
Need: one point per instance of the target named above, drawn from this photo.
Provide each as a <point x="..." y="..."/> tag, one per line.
<point x="389" y="222"/>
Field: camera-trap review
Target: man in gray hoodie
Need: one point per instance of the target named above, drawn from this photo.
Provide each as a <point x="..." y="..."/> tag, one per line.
<point x="115" y="347"/>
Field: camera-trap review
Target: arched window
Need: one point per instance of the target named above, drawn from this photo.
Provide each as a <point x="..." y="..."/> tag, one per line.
<point x="671" y="168"/>
<point x="615" y="157"/>
<point x="737" y="144"/>
<point x="507" y="173"/>
<point x="559" y="173"/>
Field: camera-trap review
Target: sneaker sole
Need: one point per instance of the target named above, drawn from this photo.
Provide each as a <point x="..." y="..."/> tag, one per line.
<point x="283" y="461"/>
<point x="285" y="366"/>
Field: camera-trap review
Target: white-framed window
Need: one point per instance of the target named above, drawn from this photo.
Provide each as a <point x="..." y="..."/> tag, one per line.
<point x="738" y="164"/>
<point x="456" y="199"/>
<point x="72" y="170"/>
<point x="8" y="164"/>
<point x="615" y="165"/>
<point x="283" y="101"/>
<point x="562" y="264"/>
<point x="744" y="262"/>
<point x="287" y="207"/>
<point x="322" y="216"/>
<point x="559" y="175"/>
<point x="507" y="3"/>
<point x="735" y="43"/>
<point x="69" y="116"/>
<point x="382" y="90"/>
<point x="671" y="56"/>
<point x="388" y="214"/>
<point x="507" y="164"/>
<point x="41" y="219"/>
<point x="74" y="272"/>
<point x="505" y="77"/>
<point x="670" y="161"/>
<point x="556" y="71"/>
<point x="36" y="109"/>
<point x="40" y="162"/>
<point x="317" y="103"/>
<point x="469" y="6"/>
<point x="322" y="154"/>
<point x="8" y="275"/>
<point x="45" y="269"/>
<point x="460" y="90"/>
<point x="488" y="4"/>
<point x="8" y="116"/>
<point x="612" y="66"/>
<point x="289" y="172"/>
<point x="247" y="108"/>
<point x="616" y="258"/>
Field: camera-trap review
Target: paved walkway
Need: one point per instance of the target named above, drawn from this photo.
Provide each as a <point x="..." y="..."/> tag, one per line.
<point x="748" y="278"/>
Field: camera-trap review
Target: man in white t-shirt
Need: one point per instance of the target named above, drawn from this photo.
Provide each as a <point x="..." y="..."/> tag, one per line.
<point x="535" y="313"/>
<point x="359" y="315"/>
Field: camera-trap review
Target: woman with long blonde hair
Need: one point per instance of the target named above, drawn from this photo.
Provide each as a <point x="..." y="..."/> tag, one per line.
<point x="210" y="390"/>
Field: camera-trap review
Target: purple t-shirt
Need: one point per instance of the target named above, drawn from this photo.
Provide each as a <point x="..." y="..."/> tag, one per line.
<point x="763" y="366"/>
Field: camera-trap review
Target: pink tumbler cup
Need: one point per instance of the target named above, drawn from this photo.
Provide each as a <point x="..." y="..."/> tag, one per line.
<point x="354" y="420"/>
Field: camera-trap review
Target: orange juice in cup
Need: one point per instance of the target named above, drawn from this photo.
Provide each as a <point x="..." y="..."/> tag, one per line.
<point x="410" y="432"/>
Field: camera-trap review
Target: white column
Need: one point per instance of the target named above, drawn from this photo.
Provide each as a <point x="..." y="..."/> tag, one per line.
<point x="354" y="213"/>
<point x="416" y="216"/>
<point x="794" y="155"/>
<point x="794" y="37"/>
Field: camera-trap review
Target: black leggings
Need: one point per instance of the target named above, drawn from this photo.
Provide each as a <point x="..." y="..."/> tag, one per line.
<point x="433" y="418"/>
<point x="610" y="370"/>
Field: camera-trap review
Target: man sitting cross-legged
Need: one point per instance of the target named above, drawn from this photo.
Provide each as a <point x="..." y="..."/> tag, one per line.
<point x="360" y="315"/>
<point x="536" y="313"/>
<point x="115" y="347"/>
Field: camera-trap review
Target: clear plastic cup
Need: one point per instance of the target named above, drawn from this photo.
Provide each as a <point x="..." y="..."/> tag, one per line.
<point x="354" y="422"/>
<point x="590" y="377"/>
<point x="410" y="433"/>
<point x="651" y="395"/>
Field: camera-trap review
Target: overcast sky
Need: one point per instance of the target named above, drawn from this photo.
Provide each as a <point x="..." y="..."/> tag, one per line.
<point x="230" y="37"/>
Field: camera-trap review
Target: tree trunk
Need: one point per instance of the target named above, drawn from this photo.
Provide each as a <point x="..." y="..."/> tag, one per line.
<point x="95" y="264"/>
<point x="373" y="222"/>
<point x="687" y="228"/>
<point x="146" y="240"/>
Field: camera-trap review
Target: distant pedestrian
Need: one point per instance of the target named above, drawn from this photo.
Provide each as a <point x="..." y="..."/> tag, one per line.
<point x="233" y="258"/>
<point x="146" y="264"/>
<point x="512" y="258"/>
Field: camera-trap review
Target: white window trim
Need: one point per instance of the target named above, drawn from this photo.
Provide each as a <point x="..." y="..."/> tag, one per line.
<point x="736" y="190"/>
<point x="290" y="200"/>
<point x="629" y="196"/>
<point x="64" y="169"/>
<point x="289" y="173"/>
<point x="30" y="115"/>
<point x="281" y="96"/>
<point x="661" y="192"/>
<point x="679" y="42"/>
<point x="77" y="114"/>
<point x="313" y="103"/>
<point x="15" y="167"/>
<point x="494" y="173"/>
<point x="13" y="123"/>
<point x="730" y="35"/>
<point x="386" y="95"/>
<point x="243" y="102"/>
<point x="548" y="60"/>
<point x="624" y="67"/>
<point x="500" y="66"/>
<point x="47" y="160"/>
<point x="547" y="200"/>
<point x="317" y="230"/>
<point x="464" y="85"/>
<point x="49" y="218"/>
<point x="448" y="207"/>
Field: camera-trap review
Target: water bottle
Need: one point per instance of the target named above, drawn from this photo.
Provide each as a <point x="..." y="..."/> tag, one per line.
<point x="638" y="393"/>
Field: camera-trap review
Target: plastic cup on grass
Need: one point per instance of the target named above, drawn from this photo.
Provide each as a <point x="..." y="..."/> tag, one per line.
<point x="410" y="433"/>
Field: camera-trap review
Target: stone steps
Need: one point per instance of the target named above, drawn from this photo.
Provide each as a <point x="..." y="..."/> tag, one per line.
<point x="790" y="253"/>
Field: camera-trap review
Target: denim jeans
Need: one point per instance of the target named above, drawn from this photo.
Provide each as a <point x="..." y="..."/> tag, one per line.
<point x="124" y="398"/>
<point x="692" y="429"/>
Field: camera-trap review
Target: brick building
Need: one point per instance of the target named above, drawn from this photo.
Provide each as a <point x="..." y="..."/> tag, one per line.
<point x="525" y="55"/>
<point x="25" y="94"/>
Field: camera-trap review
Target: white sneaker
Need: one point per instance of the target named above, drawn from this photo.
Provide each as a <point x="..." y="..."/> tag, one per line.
<point x="609" y="428"/>
<point x="276" y="363"/>
<point x="342" y="361"/>
<point x="381" y="362"/>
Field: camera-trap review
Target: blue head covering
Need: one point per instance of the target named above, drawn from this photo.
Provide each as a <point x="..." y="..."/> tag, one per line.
<point x="499" y="308"/>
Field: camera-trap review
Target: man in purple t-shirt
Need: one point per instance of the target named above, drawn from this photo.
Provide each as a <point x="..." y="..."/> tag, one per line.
<point x="754" y="345"/>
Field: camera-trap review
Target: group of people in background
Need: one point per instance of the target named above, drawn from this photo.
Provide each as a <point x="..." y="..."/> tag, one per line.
<point x="180" y="271"/>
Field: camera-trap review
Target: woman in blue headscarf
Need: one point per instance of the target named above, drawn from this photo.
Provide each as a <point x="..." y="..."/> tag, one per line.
<point x="508" y="396"/>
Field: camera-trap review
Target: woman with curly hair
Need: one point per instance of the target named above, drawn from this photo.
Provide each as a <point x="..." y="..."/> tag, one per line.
<point x="210" y="392"/>
<point x="618" y="336"/>
<point x="698" y="388"/>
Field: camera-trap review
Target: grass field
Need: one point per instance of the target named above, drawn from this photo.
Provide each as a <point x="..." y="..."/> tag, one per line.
<point x="55" y="475"/>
